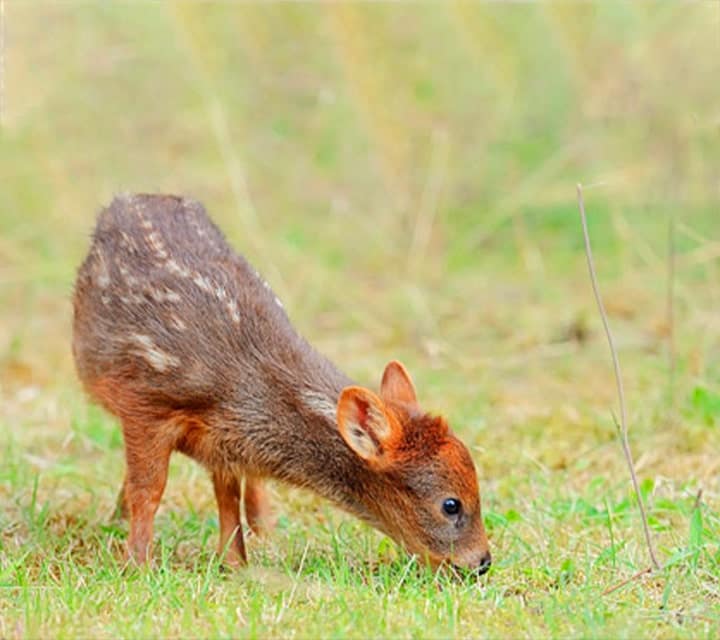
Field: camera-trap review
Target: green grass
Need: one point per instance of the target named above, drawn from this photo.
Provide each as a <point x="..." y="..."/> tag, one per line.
<point x="404" y="175"/>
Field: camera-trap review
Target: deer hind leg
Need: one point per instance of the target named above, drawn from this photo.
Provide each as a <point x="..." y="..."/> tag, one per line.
<point x="147" y="468"/>
<point x="258" y="508"/>
<point x="227" y="494"/>
<point x="122" y="511"/>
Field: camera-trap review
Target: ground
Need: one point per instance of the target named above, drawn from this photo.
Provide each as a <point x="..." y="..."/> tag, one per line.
<point x="404" y="176"/>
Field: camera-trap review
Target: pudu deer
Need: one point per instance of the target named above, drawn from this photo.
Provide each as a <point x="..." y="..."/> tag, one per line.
<point x="181" y="339"/>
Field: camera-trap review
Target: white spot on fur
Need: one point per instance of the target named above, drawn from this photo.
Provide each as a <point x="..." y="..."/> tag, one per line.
<point x="320" y="404"/>
<point x="101" y="270"/>
<point x="144" y="222"/>
<point x="196" y="224"/>
<point x="269" y="288"/>
<point x="127" y="276"/>
<point x="234" y="312"/>
<point x="179" y="270"/>
<point x="165" y="295"/>
<point x="177" y="323"/>
<point x="156" y="244"/>
<point x="156" y="357"/>
<point x="202" y="282"/>
<point x="131" y="298"/>
<point x="128" y="242"/>
<point x="206" y="285"/>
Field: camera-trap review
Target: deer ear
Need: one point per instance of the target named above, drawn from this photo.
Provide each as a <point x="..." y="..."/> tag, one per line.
<point x="364" y="424"/>
<point x="397" y="386"/>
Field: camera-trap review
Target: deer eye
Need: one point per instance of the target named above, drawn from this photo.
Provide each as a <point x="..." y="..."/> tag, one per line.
<point x="452" y="506"/>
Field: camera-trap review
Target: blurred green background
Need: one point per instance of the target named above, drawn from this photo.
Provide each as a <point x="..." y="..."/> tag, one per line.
<point x="358" y="150"/>
<point x="404" y="176"/>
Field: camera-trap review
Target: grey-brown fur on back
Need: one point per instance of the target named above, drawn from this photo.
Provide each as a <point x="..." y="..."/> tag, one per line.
<point x="163" y="303"/>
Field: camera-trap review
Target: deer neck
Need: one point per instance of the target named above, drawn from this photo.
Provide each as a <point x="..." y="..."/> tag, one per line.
<point x="307" y="449"/>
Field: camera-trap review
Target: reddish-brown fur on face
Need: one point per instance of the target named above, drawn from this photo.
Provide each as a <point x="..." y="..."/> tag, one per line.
<point x="428" y="465"/>
<point x="418" y="464"/>
<point x="181" y="339"/>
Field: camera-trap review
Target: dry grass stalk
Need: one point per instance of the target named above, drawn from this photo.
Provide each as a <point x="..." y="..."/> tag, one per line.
<point x="633" y="577"/>
<point x="622" y="426"/>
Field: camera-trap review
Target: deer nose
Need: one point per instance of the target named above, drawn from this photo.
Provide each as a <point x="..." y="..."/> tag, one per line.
<point x="485" y="563"/>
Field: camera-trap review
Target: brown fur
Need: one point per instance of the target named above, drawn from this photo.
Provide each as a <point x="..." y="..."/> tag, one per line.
<point x="179" y="337"/>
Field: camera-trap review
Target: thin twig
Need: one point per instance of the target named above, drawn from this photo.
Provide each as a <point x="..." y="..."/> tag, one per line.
<point x="635" y="576"/>
<point x="618" y="378"/>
